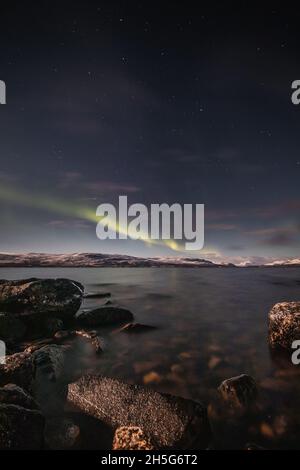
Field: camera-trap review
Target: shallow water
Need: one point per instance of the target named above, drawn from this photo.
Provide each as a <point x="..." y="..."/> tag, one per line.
<point x="212" y="325"/>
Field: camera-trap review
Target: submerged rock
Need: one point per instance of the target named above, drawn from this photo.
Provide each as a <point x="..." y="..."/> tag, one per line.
<point x="49" y="382"/>
<point x="61" y="434"/>
<point x="61" y="297"/>
<point x="11" y="394"/>
<point x="20" y="428"/>
<point x="90" y="337"/>
<point x="239" y="392"/>
<point x="131" y="438"/>
<point x="169" y="421"/>
<point x="105" y="316"/>
<point x="284" y="324"/>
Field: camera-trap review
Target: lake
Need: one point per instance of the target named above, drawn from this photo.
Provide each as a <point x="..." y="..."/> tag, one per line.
<point x="211" y="325"/>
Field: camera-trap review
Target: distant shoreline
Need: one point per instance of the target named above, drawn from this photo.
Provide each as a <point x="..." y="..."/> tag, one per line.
<point x="168" y="266"/>
<point x="102" y="260"/>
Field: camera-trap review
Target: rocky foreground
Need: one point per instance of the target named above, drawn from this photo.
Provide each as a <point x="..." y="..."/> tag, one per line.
<point x="50" y="343"/>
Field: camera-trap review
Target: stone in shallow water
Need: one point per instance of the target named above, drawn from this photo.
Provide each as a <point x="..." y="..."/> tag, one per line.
<point x="60" y="297"/>
<point x="240" y="391"/>
<point x="284" y="324"/>
<point x="61" y="433"/>
<point x="49" y="385"/>
<point x="169" y="421"/>
<point x="253" y="446"/>
<point x="105" y="316"/>
<point x="20" y="428"/>
<point x="131" y="438"/>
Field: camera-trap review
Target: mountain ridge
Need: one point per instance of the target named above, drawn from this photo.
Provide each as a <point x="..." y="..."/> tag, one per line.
<point x="90" y="260"/>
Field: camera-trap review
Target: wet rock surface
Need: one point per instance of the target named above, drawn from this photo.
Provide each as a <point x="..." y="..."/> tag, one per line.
<point x="170" y="421"/>
<point x="131" y="438"/>
<point x="20" y="428"/>
<point x="104" y="316"/>
<point x="61" y="297"/>
<point x="11" y="394"/>
<point x="284" y="324"/>
<point x="18" y="369"/>
<point x="239" y="392"/>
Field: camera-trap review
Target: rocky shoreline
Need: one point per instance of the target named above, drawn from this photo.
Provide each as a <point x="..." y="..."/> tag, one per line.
<point x="47" y="387"/>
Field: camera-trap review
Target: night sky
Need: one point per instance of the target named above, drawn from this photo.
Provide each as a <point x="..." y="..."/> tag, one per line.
<point x="165" y="104"/>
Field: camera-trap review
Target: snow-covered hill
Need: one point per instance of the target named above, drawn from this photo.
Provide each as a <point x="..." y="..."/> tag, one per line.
<point x="288" y="262"/>
<point x="97" y="260"/>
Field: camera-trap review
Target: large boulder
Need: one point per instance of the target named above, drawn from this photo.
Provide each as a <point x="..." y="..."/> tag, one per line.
<point x="171" y="422"/>
<point x="20" y="428"/>
<point x="60" y="297"/>
<point x="105" y="316"/>
<point x="284" y="324"/>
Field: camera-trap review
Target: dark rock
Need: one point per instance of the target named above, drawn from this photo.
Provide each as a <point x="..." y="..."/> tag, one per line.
<point x="253" y="446"/>
<point x="49" y="385"/>
<point x="170" y="422"/>
<point x="239" y="392"/>
<point x="11" y="327"/>
<point x="284" y="324"/>
<point x="20" y="428"/>
<point x="61" y="335"/>
<point x="60" y="297"/>
<point x="92" y="337"/>
<point x="52" y="325"/>
<point x="105" y="316"/>
<point x="136" y="328"/>
<point x="18" y="369"/>
<point x="11" y="394"/>
<point x="131" y="438"/>
<point x="97" y="295"/>
<point x="61" y="434"/>
<point x="32" y="347"/>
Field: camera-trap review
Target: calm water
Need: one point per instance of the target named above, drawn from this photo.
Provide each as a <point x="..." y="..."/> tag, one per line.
<point x="212" y="325"/>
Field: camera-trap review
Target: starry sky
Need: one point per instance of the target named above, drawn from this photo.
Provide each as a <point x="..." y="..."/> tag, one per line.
<point x="160" y="102"/>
